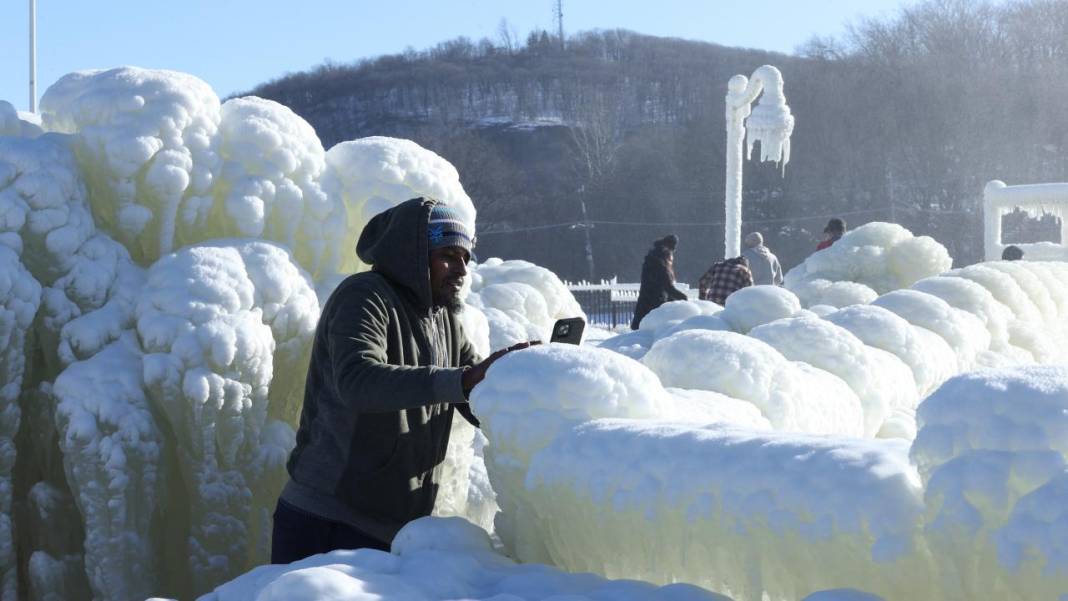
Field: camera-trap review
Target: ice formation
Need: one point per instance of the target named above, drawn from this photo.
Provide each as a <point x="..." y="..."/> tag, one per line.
<point x="983" y="472"/>
<point x="164" y="259"/>
<point x="792" y="396"/>
<point x="520" y="300"/>
<point x="992" y="450"/>
<point x="369" y="175"/>
<point x="874" y="258"/>
<point x="15" y="124"/>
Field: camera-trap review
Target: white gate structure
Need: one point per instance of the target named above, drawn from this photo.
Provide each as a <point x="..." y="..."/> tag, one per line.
<point x="1034" y="199"/>
<point x="611" y="303"/>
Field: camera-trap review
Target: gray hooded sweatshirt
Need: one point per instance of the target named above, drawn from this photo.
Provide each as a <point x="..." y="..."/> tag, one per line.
<point x="764" y="265"/>
<point x="383" y="384"/>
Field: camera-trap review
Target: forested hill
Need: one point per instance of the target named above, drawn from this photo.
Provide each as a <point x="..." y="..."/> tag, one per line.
<point x="620" y="136"/>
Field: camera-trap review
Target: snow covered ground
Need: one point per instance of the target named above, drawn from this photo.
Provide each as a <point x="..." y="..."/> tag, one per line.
<point x="165" y="256"/>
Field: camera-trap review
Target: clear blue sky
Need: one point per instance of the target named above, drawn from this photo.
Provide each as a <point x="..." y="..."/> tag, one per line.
<point x="236" y="44"/>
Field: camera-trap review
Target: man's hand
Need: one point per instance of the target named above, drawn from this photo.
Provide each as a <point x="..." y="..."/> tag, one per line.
<point x="476" y="373"/>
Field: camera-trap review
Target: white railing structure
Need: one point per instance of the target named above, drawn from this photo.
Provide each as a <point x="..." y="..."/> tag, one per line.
<point x="610" y="303"/>
<point x="1034" y="199"/>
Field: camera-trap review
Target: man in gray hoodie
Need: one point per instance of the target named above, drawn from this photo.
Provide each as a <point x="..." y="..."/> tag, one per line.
<point x="762" y="262"/>
<point x="390" y="364"/>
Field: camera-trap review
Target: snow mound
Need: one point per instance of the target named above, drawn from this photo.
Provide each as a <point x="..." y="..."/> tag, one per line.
<point x="216" y="323"/>
<point x="147" y="136"/>
<point x="880" y="380"/>
<point x="792" y="396"/>
<point x="992" y="448"/>
<point x="815" y="292"/>
<point x="438" y="559"/>
<point x="13" y="124"/>
<point x="718" y="408"/>
<point x="697" y="322"/>
<point x="634" y="344"/>
<point x="881" y="256"/>
<point x="113" y="452"/>
<point x="529" y="396"/>
<point x="964" y="332"/>
<point x="747" y="498"/>
<point x="756" y="305"/>
<point x="268" y="186"/>
<point x="930" y="358"/>
<point x="520" y="300"/>
<point x="373" y="174"/>
<point x="672" y="313"/>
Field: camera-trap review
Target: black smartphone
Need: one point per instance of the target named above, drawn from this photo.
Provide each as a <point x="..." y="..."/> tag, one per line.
<point x="568" y="331"/>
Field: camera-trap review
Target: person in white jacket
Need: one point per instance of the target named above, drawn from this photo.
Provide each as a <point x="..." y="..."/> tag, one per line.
<point x="762" y="262"/>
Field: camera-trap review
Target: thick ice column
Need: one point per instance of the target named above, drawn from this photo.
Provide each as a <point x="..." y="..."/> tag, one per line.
<point x="737" y="111"/>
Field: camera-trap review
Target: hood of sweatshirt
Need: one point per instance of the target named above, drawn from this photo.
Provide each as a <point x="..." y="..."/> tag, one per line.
<point x="396" y="244"/>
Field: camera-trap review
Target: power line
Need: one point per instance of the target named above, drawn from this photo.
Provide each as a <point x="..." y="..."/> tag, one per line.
<point x="572" y="224"/>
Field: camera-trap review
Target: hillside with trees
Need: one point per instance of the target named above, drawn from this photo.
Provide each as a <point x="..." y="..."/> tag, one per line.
<point x="579" y="152"/>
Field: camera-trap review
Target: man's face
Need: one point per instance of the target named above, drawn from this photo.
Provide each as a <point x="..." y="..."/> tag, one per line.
<point x="448" y="268"/>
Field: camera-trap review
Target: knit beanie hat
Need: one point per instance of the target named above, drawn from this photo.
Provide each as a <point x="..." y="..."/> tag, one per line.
<point x="446" y="228"/>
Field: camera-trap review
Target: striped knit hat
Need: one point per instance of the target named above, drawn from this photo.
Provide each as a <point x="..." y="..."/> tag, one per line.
<point x="446" y="228"/>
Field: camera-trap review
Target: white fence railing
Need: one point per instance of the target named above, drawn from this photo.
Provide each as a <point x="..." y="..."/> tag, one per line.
<point x="611" y="303"/>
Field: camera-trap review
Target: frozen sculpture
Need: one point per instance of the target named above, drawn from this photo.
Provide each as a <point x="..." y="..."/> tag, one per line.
<point x="893" y="429"/>
<point x="1034" y="199"/>
<point x="770" y="123"/>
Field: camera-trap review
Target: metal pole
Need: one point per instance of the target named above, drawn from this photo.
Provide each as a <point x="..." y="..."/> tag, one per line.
<point x="33" y="56"/>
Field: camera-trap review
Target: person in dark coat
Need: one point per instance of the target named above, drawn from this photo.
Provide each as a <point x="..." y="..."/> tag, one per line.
<point x="389" y="367"/>
<point x="658" y="279"/>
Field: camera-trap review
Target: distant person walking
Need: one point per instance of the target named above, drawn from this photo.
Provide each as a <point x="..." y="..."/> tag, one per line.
<point x="725" y="278"/>
<point x="658" y="279"/>
<point x="836" y="228"/>
<point x="763" y="263"/>
<point x="1012" y="253"/>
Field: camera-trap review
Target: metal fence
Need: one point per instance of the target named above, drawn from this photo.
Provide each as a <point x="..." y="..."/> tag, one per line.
<point x="610" y="304"/>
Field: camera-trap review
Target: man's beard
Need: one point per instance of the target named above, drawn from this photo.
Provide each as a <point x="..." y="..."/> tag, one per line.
<point x="452" y="302"/>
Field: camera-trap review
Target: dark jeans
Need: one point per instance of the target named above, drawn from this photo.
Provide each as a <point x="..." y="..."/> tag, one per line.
<point x="298" y="534"/>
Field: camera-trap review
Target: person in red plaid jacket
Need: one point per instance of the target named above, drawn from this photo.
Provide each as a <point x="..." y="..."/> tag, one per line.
<point x="724" y="278"/>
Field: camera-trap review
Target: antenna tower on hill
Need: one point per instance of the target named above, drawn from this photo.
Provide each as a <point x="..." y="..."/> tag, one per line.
<point x="558" y="14"/>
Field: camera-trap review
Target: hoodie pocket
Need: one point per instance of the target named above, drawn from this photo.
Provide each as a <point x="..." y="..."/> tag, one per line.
<point x="392" y="491"/>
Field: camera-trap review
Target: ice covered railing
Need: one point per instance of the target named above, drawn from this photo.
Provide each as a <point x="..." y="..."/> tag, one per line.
<point x="858" y="370"/>
<point x="599" y="469"/>
<point x="1036" y="200"/>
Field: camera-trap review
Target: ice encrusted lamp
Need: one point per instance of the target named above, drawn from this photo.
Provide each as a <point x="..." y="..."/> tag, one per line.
<point x="770" y="123"/>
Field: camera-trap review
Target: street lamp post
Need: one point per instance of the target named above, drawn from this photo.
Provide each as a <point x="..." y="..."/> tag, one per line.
<point x="769" y="123"/>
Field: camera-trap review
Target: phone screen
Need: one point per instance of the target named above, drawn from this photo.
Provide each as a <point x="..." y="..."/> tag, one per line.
<point x="568" y="331"/>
